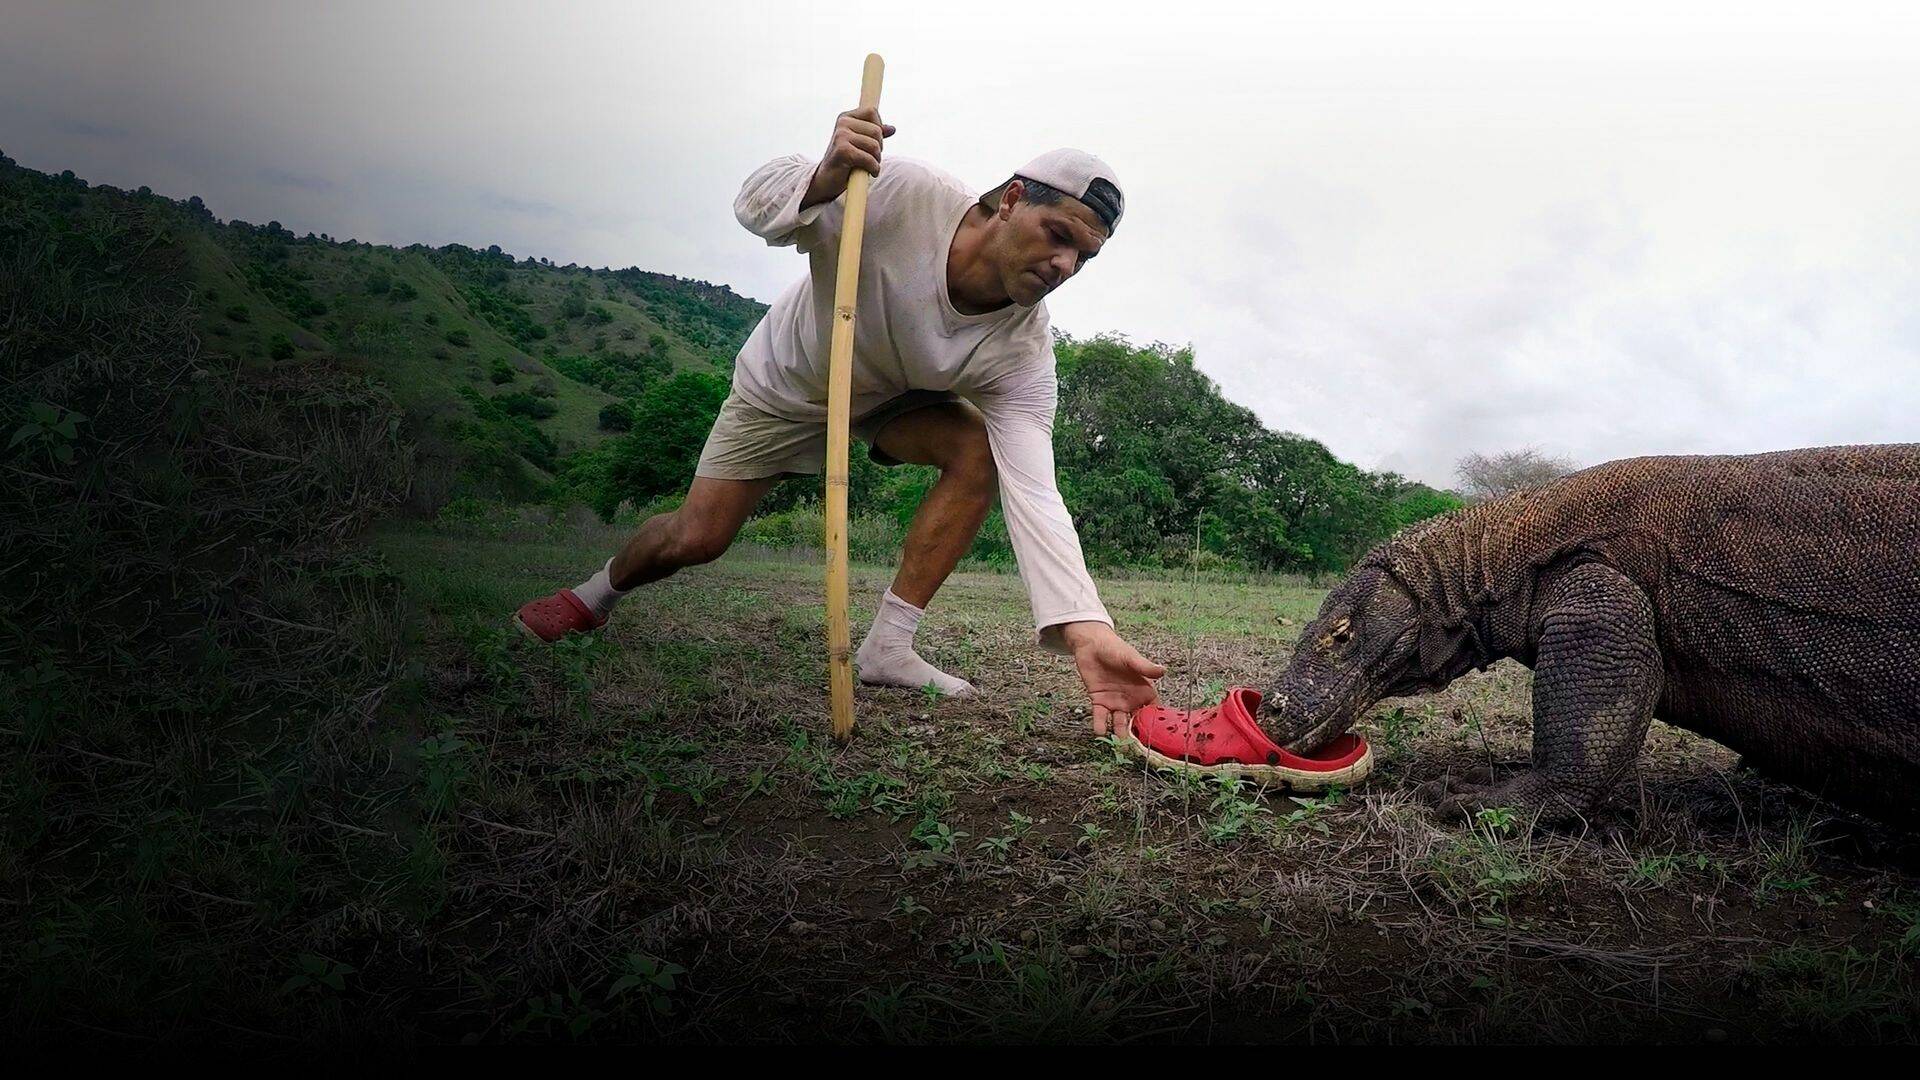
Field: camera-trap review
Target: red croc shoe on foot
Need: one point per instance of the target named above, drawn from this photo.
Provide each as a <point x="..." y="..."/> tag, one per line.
<point x="1225" y="741"/>
<point x="551" y="618"/>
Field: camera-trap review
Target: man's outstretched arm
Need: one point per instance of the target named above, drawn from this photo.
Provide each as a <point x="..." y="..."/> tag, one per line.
<point x="1067" y="611"/>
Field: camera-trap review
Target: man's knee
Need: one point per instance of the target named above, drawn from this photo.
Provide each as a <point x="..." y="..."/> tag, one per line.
<point x="968" y="459"/>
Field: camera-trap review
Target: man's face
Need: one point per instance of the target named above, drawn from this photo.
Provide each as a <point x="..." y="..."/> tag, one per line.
<point x="1042" y="246"/>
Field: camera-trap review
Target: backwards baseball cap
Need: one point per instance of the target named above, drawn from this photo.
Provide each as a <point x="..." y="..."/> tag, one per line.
<point x="1083" y="176"/>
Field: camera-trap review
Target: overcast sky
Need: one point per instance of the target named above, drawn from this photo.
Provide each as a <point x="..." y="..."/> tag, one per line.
<point x="1409" y="231"/>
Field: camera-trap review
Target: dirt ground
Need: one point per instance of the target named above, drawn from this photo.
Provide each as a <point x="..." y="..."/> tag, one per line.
<point x="651" y="828"/>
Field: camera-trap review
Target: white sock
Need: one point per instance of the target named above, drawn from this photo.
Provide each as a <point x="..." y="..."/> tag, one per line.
<point x="886" y="657"/>
<point x="598" y="593"/>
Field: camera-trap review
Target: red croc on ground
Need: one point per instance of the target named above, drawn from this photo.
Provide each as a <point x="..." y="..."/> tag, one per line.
<point x="1225" y="741"/>
<point x="551" y="618"/>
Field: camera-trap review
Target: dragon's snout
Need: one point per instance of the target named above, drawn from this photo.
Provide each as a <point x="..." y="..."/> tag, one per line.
<point x="1288" y="719"/>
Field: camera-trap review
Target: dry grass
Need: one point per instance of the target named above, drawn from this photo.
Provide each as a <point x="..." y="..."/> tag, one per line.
<point x="984" y="869"/>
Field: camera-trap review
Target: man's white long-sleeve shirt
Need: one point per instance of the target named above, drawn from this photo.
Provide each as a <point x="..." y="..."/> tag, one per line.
<point x="908" y="336"/>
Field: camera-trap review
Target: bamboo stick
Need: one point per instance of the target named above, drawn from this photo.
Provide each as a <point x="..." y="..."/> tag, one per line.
<point x="839" y="403"/>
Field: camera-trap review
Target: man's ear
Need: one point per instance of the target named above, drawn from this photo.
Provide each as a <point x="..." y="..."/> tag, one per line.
<point x="1010" y="198"/>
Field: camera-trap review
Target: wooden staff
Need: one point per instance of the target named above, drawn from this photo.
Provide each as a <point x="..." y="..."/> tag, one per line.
<point x="839" y="404"/>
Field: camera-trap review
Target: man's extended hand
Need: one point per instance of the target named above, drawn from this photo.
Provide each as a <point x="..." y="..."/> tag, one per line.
<point x="1118" y="678"/>
<point x="858" y="136"/>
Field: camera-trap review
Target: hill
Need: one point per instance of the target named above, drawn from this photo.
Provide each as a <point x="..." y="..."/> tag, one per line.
<point x="518" y="380"/>
<point x="502" y="366"/>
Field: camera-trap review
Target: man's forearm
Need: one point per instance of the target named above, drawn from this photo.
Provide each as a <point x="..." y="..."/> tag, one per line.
<point x="819" y="191"/>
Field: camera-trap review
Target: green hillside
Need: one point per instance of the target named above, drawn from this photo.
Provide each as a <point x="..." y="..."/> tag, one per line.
<point x="518" y="380"/>
<point x="503" y="366"/>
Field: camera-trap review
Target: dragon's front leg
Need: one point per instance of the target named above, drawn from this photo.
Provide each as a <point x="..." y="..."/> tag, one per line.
<point x="1596" y="679"/>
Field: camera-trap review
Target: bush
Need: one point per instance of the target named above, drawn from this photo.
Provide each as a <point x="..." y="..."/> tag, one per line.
<point x="280" y="348"/>
<point x="616" y="416"/>
<point x="670" y="425"/>
<point x="239" y="313"/>
<point x="501" y="372"/>
<point x="801" y="526"/>
<point x="525" y="404"/>
<point x="402" y="292"/>
<point x="379" y="283"/>
<point x="459" y="336"/>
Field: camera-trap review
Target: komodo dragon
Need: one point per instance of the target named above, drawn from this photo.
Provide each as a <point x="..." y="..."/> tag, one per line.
<point x="1770" y="602"/>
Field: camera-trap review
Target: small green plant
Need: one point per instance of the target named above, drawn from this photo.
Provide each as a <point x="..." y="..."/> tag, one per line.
<point x="49" y="430"/>
<point x="1488" y="866"/>
<point x="1786" y="863"/>
<point x="569" y="1013"/>
<point x="444" y="770"/>
<point x="317" y="974"/>
<point x="938" y="836"/>
<point x="649" y="980"/>
<point x="1234" y="813"/>
<point x="1307" y="812"/>
<point x="997" y="847"/>
<point x="1398" y="730"/>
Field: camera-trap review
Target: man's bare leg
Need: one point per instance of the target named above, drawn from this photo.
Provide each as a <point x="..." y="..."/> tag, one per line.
<point x="698" y="532"/>
<point x="953" y="438"/>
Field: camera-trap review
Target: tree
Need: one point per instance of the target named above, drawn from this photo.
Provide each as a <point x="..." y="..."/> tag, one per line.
<point x="1420" y="502"/>
<point x="670" y="425"/>
<point x="1484" y="476"/>
<point x="616" y="416"/>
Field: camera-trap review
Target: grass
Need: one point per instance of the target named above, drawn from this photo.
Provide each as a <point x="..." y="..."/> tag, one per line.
<point x="646" y="835"/>
<point x="984" y="869"/>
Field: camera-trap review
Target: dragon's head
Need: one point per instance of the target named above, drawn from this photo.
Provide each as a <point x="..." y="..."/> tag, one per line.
<point x="1363" y="646"/>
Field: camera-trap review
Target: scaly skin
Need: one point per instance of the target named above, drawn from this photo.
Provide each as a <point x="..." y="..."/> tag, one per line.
<point x="1770" y="602"/>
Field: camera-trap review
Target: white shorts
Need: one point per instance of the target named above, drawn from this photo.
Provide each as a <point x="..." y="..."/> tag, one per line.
<point x="748" y="443"/>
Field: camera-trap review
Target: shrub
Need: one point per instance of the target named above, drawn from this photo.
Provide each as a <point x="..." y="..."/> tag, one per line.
<point x="280" y="348"/>
<point x="616" y="416"/>
<point x="379" y="283"/>
<point x="239" y="313"/>
<point x="670" y="425"/>
<point x="402" y="292"/>
<point x="459" y="336"/>
<point x="801" y="526"/>
<point x="525" y="404"/>
<point x="501" y="372"/>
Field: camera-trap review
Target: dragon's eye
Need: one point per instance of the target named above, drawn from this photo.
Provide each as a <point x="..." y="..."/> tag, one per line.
<point x="1341" y="633"/>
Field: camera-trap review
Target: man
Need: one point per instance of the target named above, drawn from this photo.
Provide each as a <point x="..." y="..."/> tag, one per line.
<point x="953" y="367"/>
